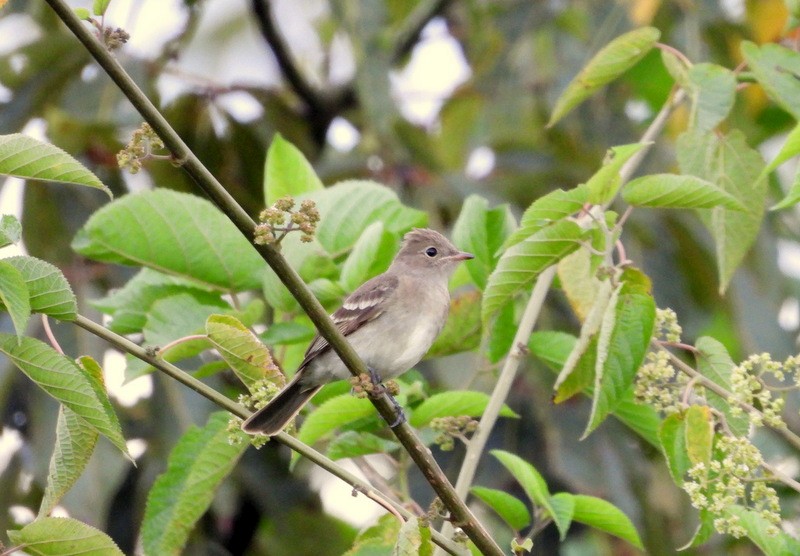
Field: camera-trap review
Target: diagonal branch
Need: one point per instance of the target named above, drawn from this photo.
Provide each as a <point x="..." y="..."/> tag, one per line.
<point x="422" y="457"/>
<point x="408" y="34"/>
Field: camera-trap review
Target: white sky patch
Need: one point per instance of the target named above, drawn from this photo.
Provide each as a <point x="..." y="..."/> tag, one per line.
<point x="789" y="258"/>
<point x="480" y="163"/>
<point x="436" y="68"/>
<point x="10" y="443"/>
<point x="789" y="314"/>
<point x="337" y="496"/>
<point x="17" y="30"/>
<point x="149" y="24"/>
<point x="342" y="68"/>
<point x="241" y="105"/>
<point x="21" y="515"/>
<point x="637" y="110"/>
<point x="128" y="394"/>
<point x="136" y="447"/>
<point x="342" y="136"/>
<point x="734" y="10"/>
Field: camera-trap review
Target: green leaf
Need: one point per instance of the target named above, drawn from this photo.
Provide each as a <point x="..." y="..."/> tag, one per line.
<point x="547" y="209"/>
<point x="673" y="191"/>
<point x="457" y="120"/>
<point x="790" y="149"/>
<point x="452" y="404"/>
<point x="757" y="531"/>
<point x="777" y="69"/>
<point x="378" y="540"/>
<point x="100" y="6"/>
<point x="605" y="183"/>
<point x="334" y="413"/>
<point x="564" y="508"/>
<point x="414" y="539"/>
<point x="509" y="508"/>
<point x="351" y="444"/>
<point x="699" y="434"/>
<point x="178" y="316"/>
<point x="10" y="230"/>
<point x="287" y="172"/>
<point x="75" y="442"/>
<point x="605" y="516"/>
<point x="714" y="363"/>
<point x="672" y="436"/>
<point x="201" y="459"/>
<point x="619" y="358"/>
<point x="347" y="208"/>
<point x="522" y="263"/>
<point x="462" y="331"/>
<point x="793" y="196"/>
<point x="552" y="347"/>
<point x="372" y="254"/>
<point x="174" y="233"/>
<point x="48" y="289"/>
<point x="482" y="231"/>
<point x="641" y="419"/>
<point x="610" y="62"/>
<point x="63" y="536"/>
<point x="242" y="350"/>
<point x="712" y="90"/>
<point x="577" y="274"/>
<point x="677" y="67"/>
<point x="286" y="333"/>
<point x="82" y="13"/>
<point x="14" y="296"/>
<point x="733" y="166"/>
<point x="28" y="158"/>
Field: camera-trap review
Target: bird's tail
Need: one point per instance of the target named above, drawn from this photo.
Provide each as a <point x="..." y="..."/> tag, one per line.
<point x="273" y="417"/>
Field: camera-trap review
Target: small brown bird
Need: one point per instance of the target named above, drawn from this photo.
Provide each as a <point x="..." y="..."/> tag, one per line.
<point x="391" y="322"/>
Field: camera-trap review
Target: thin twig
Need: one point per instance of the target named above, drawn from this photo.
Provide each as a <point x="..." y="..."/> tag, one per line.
<point x="50" y="336"/>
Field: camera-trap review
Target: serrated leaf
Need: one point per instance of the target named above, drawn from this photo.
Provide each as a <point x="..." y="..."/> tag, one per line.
<point x="462" y="331"/>
<point x="712" y="90"/>
<point x="714" y="363"/>
<point x="377" y="540"/>
<point x="522" y="263"/>
<point x="63" y="536"/>
<point x="334" y="413"/>
<point x="174" y="233"/>
<point x="547" y="209"/>
<point x="48" y="289"/>
<point x="509" y="508"/>
<point x="699" y="434"/>
<point x="10" y="230"/>
<point x="564" y="507"/>
<point x="286" y="333"/>
<point x="201" y="459"/>
<point x="482" y="231"/>
<point x="610" y="62"/>
<point x="674" y="191"/>
<point x="287" y="172"/>
<point x="733" y="166"/>
<point x="68" y="383"/>
<point x="28" y="158"/>
<point x="351" y="444"/>
<point x="452" y="404"/>
<point x="777" y="69"/>
<point x="178" y="316"/>
<point x="605" y="516"/>
<point x="619" y="358"/>
<point x="413" y="540"/>
<point x="552" y="347"/>
<point x="604" y="184"/>
<point x="75" y="442"/>
<point x="14" y="296"/>
<point x="249" y="359"/>
<point x="757" y="528"/>
<point x="672" y="436"/>
<point x="372" y="254"/>
<point x="579" y="281"/>
<point x="789" y="149"/>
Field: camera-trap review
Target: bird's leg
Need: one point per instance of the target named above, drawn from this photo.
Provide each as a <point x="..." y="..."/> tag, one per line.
<point x="379" y="390"/>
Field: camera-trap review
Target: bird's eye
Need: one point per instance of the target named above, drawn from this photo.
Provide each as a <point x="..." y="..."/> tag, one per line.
<point x="431" y="252"/>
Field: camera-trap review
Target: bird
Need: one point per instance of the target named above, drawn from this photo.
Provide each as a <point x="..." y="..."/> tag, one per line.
<point x="391" y="321"/>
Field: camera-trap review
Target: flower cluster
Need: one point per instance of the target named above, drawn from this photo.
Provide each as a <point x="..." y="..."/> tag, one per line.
<point x="261" y="392"/>
<point x="667" y="328"/>
<point x="114" y="38"/>
<point x="363" y="386"/>
<point x="451" y="428"/>
<point x="273" y="226"/>
<point x="735" y="477"/>
<point x="141" y="146"/>
<point x="757" y="382"/>
<point x="658" y="383"/>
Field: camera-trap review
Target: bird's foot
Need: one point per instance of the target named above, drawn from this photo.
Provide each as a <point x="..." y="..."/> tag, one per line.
<point x="377" y="389"/>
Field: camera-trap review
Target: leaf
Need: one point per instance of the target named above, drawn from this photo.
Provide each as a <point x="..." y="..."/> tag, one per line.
<point x="14" y="297"/>
<point x="372" y="254"/>
<point x="82" y="13"/>
<point x="620" y="358"/>
<point x="672" y="436"/>
<point x="522" y="263"/>
<point x="734" y="167"/>
<point x="68" y="383"/>
<point x="414" y="539"/>
<point x="377" y="540"/>
<point x="714" y="363"/>
<point x="287" y="172"/>
<point x="564" y="507"/>
<point x="605" y="183"/>
<point x="677" y="67"/>
<point x="547" y="209"/>
<point x="63" y="536"/>
<point x="10" y="230"/>
<point x="482" y="231"/>
<point x="790" y="149"/>
<point x="552" y="347"/>
<point x="578" y="276"/>
<point x="28" y="158"/>
<point x="509" y="508"/>
<point x="757" y="528"/>
<point x="793" y="196"/>
<point x="453" y="404"/>
<point x="610" y="62"/>
<point x="777" y="69"/>
<point x="174" y="233"/>
<point x="48" y="289"/>
<point x="175" y="317"/>
<point x="334" y="413"/>
<point x="462" y="331"/>
<point x="75" y="442"/>
<point x="351" y="444"/>
<point x="712" y="90"/>
<point x="285" y="333"/>
<point x="605" y="516"/>
<point x="347" y="208"/>
<point x="242" y="350"/>
<point x="201" y="459"/>
<point x="673" y="191"/>
<point x="99" y="7"/>
<point x="699" y="434"/>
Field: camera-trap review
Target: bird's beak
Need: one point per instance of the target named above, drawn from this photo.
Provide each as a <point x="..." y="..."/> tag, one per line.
<point x="462" y="256"/>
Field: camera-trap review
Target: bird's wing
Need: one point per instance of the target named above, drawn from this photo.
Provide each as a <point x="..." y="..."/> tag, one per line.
<point x="362" y="306"/>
